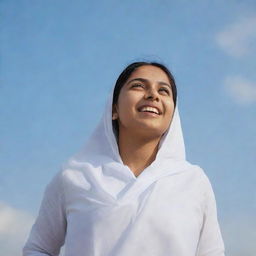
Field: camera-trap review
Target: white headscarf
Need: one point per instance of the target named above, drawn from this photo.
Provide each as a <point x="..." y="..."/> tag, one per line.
<point x="101" y="162"/>
<point x="98" y="207"/>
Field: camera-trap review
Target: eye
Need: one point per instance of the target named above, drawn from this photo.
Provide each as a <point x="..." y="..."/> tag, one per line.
<point x="137" y="85"/>
<point x="164" y="90"/>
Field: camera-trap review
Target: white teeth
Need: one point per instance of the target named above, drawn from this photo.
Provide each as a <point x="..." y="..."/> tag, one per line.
<point x="150" y="109"/>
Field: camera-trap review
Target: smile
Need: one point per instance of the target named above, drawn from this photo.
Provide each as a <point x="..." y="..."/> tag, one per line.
<point x="149" y="109"/>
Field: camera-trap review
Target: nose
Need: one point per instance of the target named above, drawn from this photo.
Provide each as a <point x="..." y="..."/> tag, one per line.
<point x="151" y="94"/>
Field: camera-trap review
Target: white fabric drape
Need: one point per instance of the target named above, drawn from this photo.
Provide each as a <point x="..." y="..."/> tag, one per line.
<point x="97" y="207"/>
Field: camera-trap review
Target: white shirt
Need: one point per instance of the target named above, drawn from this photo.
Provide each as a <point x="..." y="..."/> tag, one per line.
<point x="97" y="207"/>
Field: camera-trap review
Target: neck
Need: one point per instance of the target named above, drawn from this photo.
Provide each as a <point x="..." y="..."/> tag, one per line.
<point x="137" y="153"/>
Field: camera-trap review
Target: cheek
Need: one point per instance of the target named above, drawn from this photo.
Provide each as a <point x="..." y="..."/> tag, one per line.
<point x="170" y="107"/>
<point x="124" y="110"/>
<point x="169" y="112"/>
<point x="127" y="104"/>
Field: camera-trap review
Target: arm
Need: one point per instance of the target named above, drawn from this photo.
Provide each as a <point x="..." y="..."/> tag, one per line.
<point x="210" y="242"/>
<point x="48" y="233"/>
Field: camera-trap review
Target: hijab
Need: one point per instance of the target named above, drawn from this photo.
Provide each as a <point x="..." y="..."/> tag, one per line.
<point x="109" y="177"/>
<point x="98" y="207"/>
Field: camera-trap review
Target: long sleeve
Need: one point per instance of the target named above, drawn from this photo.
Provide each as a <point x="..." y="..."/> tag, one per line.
<point x="210" y="243"/>
<point x="48" y="233"/>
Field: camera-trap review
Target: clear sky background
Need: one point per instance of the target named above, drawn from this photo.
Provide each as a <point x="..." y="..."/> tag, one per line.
<point x="59" y="61"/>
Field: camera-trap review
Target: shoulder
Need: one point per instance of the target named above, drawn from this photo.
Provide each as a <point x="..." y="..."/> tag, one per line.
<point x="73" y="175"/>
<point x="202" y="179"/>
<point x="55" y="186"/>
<point x="60" y="181"/>
<point x="206" y="189"/>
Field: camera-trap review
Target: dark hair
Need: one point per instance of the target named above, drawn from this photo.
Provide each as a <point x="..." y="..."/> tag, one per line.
<point x="123" y="77"/>
<point x="127" y="72"/>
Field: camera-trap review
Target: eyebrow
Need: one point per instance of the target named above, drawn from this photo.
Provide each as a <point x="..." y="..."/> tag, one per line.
<point x="146" y="81"/>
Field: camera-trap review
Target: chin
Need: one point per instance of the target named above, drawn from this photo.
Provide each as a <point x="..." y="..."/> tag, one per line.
<point x="149" y="131"/>
<point x="145" y="128"/>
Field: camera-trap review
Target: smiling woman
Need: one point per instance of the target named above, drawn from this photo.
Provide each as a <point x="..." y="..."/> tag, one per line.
<point x="143" y="110"/>
<point x="130" y="191"/>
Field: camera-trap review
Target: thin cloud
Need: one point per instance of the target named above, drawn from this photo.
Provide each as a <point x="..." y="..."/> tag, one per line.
<point x="240" y="89"/>
<point x="14" y="229"/>
<point x="238" y="39"/>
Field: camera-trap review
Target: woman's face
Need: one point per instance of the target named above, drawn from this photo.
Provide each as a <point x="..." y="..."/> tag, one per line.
<point x="145" y="103"/>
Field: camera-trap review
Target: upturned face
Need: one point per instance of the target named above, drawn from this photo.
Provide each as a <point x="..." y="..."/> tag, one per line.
<point x="145" y="103"/>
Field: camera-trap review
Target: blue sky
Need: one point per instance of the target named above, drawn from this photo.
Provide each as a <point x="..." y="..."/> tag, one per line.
<point x="59" y="61"/>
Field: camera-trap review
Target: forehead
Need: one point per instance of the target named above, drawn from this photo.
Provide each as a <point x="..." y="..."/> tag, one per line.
<point x="151" y="73"/>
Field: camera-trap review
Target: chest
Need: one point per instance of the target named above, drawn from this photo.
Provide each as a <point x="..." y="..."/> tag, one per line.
<point x="172" y="203"/>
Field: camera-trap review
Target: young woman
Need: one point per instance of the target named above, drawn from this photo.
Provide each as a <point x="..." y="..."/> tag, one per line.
<point x="130" y="191"/>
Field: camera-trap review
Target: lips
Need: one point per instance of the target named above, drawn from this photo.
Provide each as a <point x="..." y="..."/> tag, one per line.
<point x="150" y="109"/>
